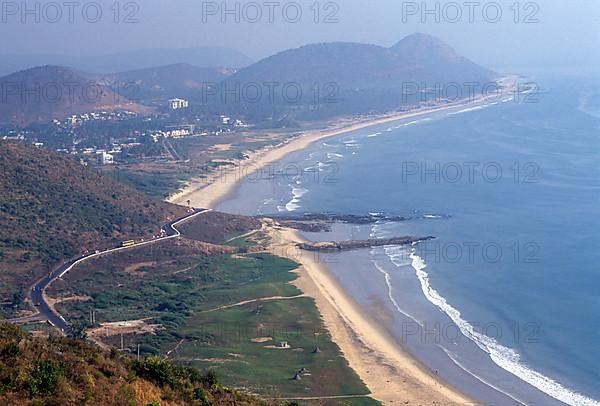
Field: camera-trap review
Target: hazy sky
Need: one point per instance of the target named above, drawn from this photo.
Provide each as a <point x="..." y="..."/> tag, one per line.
<point x="566" y="31"/>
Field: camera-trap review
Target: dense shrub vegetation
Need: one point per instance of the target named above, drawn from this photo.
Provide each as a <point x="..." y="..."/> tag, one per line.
<point x="61" y="371"/>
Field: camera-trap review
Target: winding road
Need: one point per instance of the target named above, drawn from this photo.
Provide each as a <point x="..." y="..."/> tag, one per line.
<point x="37" y="293"/>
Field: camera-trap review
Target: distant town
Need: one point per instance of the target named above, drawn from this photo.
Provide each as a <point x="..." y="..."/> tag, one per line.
<point x="105" y="138"/>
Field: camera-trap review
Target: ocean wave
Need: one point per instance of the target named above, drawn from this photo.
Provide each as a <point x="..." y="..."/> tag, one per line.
<point x="390" y="290"/>
<point x="417" y="122"/>
<point x="481" y="107"/>
<point x="310" y="157"/>
<point x="294" y="204"/>
<point x="414" y="122"/>
<point x="506" y="358"/>
<point x="331" y="155"/>
<point x="268" y="201"/>
<point x="397" y="127"/>
<point x="322" y="166"/>
<point x="461" y="366"/>
<point x="318" y="167"/>
<point x="398" y="254"/>
<point x="378" y="231"/>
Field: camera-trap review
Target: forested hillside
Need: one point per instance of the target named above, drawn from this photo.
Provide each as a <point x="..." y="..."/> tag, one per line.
<point x="52" y="208"/>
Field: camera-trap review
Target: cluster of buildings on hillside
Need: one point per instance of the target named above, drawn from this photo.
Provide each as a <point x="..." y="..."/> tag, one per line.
<point x="78" y="119"/>
<point x="97" y="156"/>
<point x="180" y="131"/>
<point x="102" y="145"/>
<point x="228" y="121"/>
<point x="13" y="136"/>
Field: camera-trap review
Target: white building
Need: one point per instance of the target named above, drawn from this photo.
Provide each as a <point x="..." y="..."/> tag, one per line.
<point x="104" y="158"/>
<point x="178" y="133"/>
<point x="176" y="104"/>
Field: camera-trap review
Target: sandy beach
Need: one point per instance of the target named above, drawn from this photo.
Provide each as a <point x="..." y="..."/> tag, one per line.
<point x="391" y="374"/>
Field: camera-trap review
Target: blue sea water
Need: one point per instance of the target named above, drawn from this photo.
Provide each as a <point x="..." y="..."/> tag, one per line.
<point x="505" y="302"/>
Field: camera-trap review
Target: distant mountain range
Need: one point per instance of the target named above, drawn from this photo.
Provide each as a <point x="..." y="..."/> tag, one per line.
<point x="204" y="57"/>
<point x="334" y="79"/>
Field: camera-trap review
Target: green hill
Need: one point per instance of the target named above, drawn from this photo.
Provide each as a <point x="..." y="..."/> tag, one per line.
<point x="52" y="208"/>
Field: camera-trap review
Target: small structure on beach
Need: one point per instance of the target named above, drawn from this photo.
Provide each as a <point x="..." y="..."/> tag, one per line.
<point x="283" y="345"/>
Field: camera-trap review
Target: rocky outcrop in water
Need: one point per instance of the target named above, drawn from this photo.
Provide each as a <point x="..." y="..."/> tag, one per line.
<point x="323" y="222"/>
<point x="332" y="246"/>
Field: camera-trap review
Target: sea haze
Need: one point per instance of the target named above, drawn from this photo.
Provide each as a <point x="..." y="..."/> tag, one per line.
<point x="531" y="311"/>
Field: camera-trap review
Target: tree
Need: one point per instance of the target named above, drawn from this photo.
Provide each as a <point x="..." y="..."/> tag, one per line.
<point x="210" y="379"/>
<point x="157" y="370"/>
<point x="44" y="377"/>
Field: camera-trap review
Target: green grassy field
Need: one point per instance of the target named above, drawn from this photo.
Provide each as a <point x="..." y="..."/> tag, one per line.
<point x="182" y="288"/>
<point x="241" y="345"/>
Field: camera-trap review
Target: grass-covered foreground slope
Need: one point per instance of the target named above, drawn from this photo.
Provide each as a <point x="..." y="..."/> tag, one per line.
<point x="61" y="371"/>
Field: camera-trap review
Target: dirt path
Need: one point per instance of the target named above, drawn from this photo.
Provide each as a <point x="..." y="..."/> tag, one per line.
<point x="245" y="302"/>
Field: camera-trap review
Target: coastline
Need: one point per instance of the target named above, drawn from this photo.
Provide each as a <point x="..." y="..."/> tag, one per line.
<point x="370" y="350"/>
<point x="390" y="373"/>
<point x="207" y="193"/>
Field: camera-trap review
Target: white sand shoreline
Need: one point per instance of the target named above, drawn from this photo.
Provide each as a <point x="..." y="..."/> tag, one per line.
<point x="391" y="374"/>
